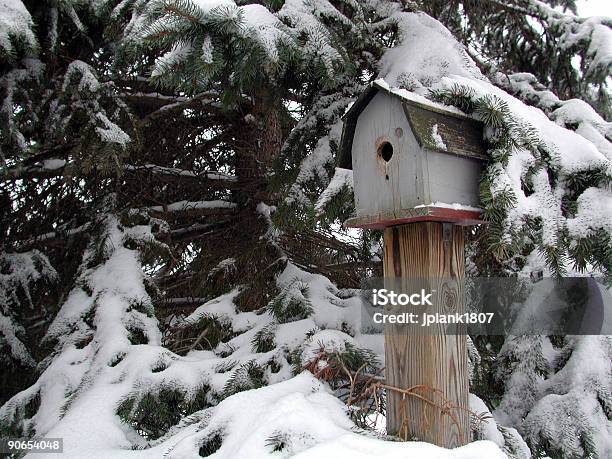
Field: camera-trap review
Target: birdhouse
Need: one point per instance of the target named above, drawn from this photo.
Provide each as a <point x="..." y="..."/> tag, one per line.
<point x="412" y="160"/>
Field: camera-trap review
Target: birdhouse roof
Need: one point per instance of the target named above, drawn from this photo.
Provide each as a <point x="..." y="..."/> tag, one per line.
<point x="435" y="126"/>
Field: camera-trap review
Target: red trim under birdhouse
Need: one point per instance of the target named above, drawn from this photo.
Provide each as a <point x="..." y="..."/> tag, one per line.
<point x="460" y="217"/>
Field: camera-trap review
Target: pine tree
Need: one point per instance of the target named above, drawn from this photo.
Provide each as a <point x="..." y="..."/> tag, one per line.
<point x="170" y="206"/>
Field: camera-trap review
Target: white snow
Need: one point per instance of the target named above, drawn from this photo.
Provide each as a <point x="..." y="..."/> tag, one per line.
<point x="182" y="172"/>
<point x="563" y="112"/>
<point x="488" y="428"/>
<point x="9" y="331"/>
<point x="575" y="153"/>
<point x="563" y="407"/>
<point x="329" y="341"/>
<point x="416" y="97"/>
<point x="11" y="82"/>
<point x="265" y="26"/>
<point x="171" y="58"/>
<point x="296" y="25"/>
<point x="361" y="447"/>
<point x="257" y="23"/>
<point x="310" y="421"/>
<point x="15" y="24"/>
<point x="18" y="274"/>
<point x="186" y="205"/>
<point x="53" y="164"/>
<point x="343" y="178"/>
<point x="313" y="40"/>
<point x="206" y="6"/>
<point x="437" y="138"/>
<point x="110" y="132"/>
<point x="301" y="410"/>
<point x="594" y="212"/>
<point x="597" y="33"/>
<point x="85" y="74"/>
<point x="221" y="307"/>
<point x="82" y="374"/>
<point x="207" y="50"/>
<point x="454" y="206"/>
<point x="427" y="53"/>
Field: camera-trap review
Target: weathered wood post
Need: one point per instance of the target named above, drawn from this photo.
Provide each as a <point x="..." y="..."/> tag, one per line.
<point x="430" y="253"/>
<point x="410" y="157"/>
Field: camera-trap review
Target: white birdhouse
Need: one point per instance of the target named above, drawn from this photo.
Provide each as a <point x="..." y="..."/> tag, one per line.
<point x="412" y="160"/>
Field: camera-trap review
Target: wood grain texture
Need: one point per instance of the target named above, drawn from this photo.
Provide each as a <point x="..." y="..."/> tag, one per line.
<point x="419" y="255"/>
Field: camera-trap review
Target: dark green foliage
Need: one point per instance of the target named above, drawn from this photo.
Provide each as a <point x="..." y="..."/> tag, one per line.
<point x="504" y="244"/>
<point x="278" y="441"/>
<point x="263" y="341"/>
<point x="12" y="429"/>
<point x="606" y="404"/>
<point x="581" y="180"/>
<point x="340" y="208"/>
<point x="225" y="366"/>
<point x="137" y="336"/>
<point x="460" y="96"/>
<point x="205" y="333"/>
<point x="211" y="445"/>
<point x="83" y="342"/>
<point x="142" y="305"/>
<point x="150" y="250"/>
<point x="153" y="413"/>
<point x="294" y="358"/>
<point x="601" y="253"/>
<point x="525" y="36"/>
<point x="32" y="406"/>
<point x="292" y="303"/>
<point x="116" y="360"/>
<point x="248" y="376"/>
<point x="101" y="251"/>
<point x="226" y="351"/>
<point x="17" y="426"/>
<point x="543" y="447"/>
<point x="274" y="366"/>
<point x="355" y="358"/>
<point x="159" y="367"/>
<point x="89" y="316"/>
<point x="484" y="383"/>
<point x="556" y="259"/>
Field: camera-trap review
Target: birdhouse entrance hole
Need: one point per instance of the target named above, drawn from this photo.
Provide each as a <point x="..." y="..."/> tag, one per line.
<point x="385" y="150"/>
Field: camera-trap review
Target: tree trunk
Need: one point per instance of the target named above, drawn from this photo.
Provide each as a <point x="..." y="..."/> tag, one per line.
<point x="258" y="141"/>
<point x="429" y="255"/>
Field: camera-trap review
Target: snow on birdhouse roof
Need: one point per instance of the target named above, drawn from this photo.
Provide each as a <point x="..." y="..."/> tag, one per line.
<point x="435" y="126"/>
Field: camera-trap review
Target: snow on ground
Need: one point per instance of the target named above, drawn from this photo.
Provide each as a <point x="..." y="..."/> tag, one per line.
<point x="299" y="417"/>
<point x="99" y="367"/>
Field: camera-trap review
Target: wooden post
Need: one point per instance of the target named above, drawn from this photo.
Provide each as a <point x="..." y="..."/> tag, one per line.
<point x="432" y="253"/>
